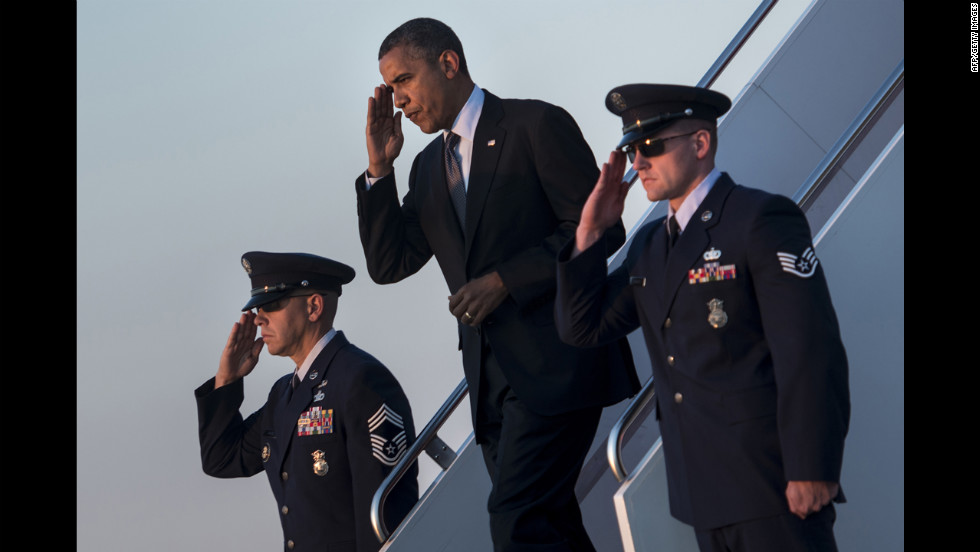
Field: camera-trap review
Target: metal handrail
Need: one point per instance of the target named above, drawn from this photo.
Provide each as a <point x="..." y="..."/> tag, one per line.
<point x="741" y="37"/>
<point x="808" y="191"/>
<point x="614" y="444"/>
<point x="828" y="165"/>
<point x="427" y="441"/>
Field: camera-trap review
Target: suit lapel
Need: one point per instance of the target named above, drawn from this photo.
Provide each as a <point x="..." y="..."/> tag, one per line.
<point x="693" y="241"/>
<point x="487" y="144"/>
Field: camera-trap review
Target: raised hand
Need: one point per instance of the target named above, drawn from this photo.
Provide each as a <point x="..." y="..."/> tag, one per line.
<point x="241" y="353"/>
<point x="604" y="208"/>
<point x="384" y="132"/>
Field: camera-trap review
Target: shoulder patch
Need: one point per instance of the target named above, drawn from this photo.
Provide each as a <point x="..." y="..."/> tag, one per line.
<point x="804" y="265"/>
<point x="388" y="440"/>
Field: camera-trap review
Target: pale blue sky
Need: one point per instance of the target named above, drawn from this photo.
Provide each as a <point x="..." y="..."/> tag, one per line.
<point x="209" y="128"/>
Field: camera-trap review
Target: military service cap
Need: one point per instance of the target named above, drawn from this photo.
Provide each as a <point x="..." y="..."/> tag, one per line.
<point x="278" y="275"/>
<point x="649" y="108"/>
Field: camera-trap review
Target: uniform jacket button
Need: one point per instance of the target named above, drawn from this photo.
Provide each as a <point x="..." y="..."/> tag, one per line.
<point x="285" y="476"/>
<point x="678" y="398"/>
<point x="290" y="544"/>
<point x="285" y="509"/>
<point x="667" y="323"/>
<point x="670" y="360"/>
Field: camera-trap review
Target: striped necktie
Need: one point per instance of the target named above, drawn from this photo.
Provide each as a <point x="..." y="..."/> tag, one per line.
<point x="454" y="178"/>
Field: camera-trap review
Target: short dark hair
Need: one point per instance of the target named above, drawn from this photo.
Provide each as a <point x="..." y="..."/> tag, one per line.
<point x="425" y="38"/>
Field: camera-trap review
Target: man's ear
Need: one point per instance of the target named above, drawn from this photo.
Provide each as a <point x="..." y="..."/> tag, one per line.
<point x="314" y="307"/>
<point x="449" y="63"/>
<point x="702" y="144"/>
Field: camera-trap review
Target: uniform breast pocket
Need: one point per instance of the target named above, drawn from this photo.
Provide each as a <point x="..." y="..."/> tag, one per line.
<point x="720" y="301"/>
<point x="321" y="452"/>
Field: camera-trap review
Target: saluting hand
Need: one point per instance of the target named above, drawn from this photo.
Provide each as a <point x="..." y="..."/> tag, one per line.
<point x="477" y="299"/>
<point x="384" y="132"/>
<point x="604" y="208"/>
<point x="241" y="353"/>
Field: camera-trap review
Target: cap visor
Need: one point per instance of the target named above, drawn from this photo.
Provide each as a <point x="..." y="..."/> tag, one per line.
<point x="264" y="298"/>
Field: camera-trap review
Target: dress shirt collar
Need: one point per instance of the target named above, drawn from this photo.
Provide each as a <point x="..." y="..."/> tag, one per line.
<point x="694" y="199"/>
<point x="314" y="352"/>
<point x="469" y="116"/>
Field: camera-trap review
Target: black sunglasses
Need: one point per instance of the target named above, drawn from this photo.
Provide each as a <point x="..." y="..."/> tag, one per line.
<point x="651" y="148"/>
<point x="273" y="306"/>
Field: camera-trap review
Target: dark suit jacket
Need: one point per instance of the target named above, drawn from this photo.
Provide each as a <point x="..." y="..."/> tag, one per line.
<point x="743" y="407"/>
<point x="531" y="172"/>
<point x="351" y="412"/>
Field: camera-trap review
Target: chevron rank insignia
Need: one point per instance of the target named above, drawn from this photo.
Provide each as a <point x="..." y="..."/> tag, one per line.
<point x="388" y="439"/>
<point x="315" y="421"/>
<point x="803" y="266"/>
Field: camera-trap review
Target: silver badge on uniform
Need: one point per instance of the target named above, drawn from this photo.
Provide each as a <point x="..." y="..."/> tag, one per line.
<point x="313" y="375"/>
<point x="717" y="317"/>
<point x="320" y="466"/>
<point x="318" y="397"/>
<point x="266" y="452"/>
<point x="712" y="254"/>
<point x="706" y="216"/>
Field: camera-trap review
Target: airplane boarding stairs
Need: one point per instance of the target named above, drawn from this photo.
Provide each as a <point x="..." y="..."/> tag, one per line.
<point x="825" y="110"/>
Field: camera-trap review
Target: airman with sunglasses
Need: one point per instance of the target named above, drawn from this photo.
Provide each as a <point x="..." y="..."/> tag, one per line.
<point x="330" y="432"/>
<point x="751" y="374"/>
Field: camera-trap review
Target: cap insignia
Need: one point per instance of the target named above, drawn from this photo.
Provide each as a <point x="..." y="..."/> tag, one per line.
<point x="617" y="100"/>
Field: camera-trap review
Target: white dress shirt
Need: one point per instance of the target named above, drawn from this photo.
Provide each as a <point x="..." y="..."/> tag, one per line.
<point x="694" y="199"/>
<point x="305" y="367"/>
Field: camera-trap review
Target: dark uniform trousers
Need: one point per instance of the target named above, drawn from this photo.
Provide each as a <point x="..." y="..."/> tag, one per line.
<point x="325" y="446"/>
<point x="750" y="371"/>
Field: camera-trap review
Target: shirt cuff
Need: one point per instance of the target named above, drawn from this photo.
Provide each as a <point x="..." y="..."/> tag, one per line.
<point x="369" y="180"/>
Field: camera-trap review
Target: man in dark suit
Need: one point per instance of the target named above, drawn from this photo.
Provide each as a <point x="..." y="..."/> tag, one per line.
<point x="492" y="198"/>
<point x="750" y="372"/>
<point x="330" y="432"/>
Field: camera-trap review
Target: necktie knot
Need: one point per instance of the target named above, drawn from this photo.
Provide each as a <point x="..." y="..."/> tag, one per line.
<point x="452" y="140"/>
<point x="673" y="229"/>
